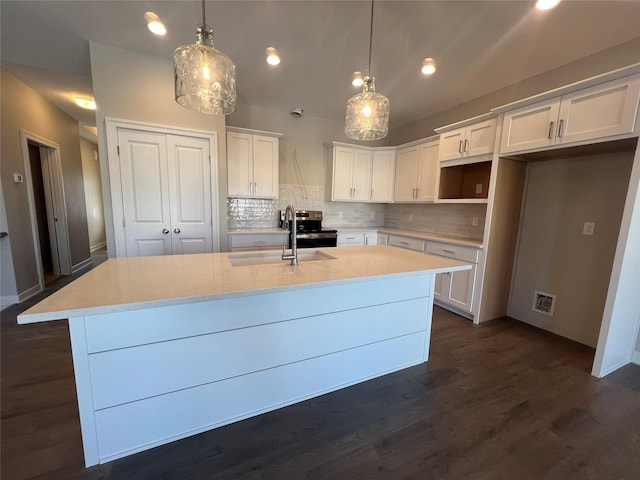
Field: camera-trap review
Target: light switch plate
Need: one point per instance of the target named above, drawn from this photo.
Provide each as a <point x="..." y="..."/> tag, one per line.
<point x="18" y="178"/>
<point x="478" y="188"/>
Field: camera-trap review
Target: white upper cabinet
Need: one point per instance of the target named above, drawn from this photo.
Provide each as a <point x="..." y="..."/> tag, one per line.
<point x="252" y="164"/>
<point x="597" y="112"/>
<point x="359" y="174"/>
<point x="383" y="166"/>
<point x="416" y="171"/>
<point x="468" y="141"/>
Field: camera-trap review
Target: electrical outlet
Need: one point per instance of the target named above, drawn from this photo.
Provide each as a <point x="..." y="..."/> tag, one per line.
<point x="589" y="228"/>
<point x="340" y="214"/>
<point x="373" y="214"/>
<point x="474" y="222"/>
<point x="478" y="188"/>
<point x="18" y="178"/>
<point x="411" y="217"/>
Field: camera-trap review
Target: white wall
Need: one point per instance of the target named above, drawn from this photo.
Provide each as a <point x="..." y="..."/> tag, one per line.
<point x="130" y="85"/>
<point x="554" y="256"/>
<point x="93" y="193"/>
<point x="8" y="291"/>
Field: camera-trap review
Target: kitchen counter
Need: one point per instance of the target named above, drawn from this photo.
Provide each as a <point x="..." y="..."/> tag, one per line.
<point x="131" y="283"/>
<point x="168" y="347"/>
<point x="436" y="237"/>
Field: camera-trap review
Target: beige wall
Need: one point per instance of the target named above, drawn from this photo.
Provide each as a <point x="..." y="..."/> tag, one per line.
<point x="92" y="193"/>
<point x="8" y="292"/>
<point x="554" y="256"/>
<point x="24" y="109"/>
<point x="611" y="59"/>
<point x="128" y="85"/>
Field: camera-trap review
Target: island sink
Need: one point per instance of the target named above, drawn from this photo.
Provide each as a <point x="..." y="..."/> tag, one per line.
<point x="262" y="258"/>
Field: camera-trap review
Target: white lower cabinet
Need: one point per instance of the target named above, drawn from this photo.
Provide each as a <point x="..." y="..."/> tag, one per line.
<point x="370" y="238"/>
<point x="382" y="239"/>
<point x="351" y="239"/>
<point x="257" y="241"/>
<point x="455" y="289"/>
<point x="406" y="242"/>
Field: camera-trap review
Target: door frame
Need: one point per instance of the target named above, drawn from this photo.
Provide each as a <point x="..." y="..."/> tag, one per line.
<point x="56" y="212"/>
<point x="117" y="207"/>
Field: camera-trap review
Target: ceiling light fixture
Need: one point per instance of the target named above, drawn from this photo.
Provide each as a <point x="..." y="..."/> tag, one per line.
<point x="272" y="56"/>
<point x="86" y="103"/>
<point x="428" y="66"/>
<point x="367" y="116"/>
<point x="205" y="78"/>
<point x="547" y="4"/>
<point x="154" y="24"/>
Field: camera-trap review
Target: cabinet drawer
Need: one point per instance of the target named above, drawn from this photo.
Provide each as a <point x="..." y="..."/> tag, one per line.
<point x="405" y="242"/>
<point x="353" y="239"/>
<point x="466" y="254"/>
<point x="268" y="240"/>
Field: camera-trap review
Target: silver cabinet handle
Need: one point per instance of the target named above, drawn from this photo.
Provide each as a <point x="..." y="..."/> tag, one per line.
<point x="560" y="123"/>
<point x="176" y="230"/>
<point x="452" y="252"/>
<point x="165" y="230"/>
<point x="466" y="145"/>
<point x="460" y="147"/>
<point x="551" y="124"/>
<point x="255" y="187"/>
<point x="417" y="193"/>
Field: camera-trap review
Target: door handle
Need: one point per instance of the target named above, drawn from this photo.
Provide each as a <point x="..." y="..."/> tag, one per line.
<point x="176" y="230"/>
<point x="165" y="230"/>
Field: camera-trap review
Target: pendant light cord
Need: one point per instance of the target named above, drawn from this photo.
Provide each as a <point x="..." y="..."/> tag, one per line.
<point x="370" y="40"/>
<point x="204" y="18"/>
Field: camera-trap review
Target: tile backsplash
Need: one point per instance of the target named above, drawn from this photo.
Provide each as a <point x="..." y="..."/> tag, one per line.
<point x="449" y="219"/>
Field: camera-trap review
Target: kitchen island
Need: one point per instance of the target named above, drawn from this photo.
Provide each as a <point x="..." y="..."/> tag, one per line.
<point x="167" y="347"/>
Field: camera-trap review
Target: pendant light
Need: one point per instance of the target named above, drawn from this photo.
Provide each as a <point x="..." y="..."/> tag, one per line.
<point x="205" y="78"/>
<point x="367" y="116"/>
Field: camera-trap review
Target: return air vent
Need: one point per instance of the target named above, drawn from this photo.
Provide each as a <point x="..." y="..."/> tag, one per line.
<point x="544" y="303"/>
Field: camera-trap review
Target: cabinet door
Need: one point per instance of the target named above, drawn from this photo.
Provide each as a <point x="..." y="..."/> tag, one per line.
<point x="342" y="169"/>
<point x="370" y="238"/>
<point x="407" y="162"/>
<point x="428" y="171"/>
<point x="190" y="193"/>
<point x="239" y="164"/>
<point x="361" y="176"/>
<point x="382" y="176"/>
<point x="441" y="286"/>
<point x="479" y="138"/>
<point x="600" y="111"/>
<point x="145" y="193"/>
<point x="461" y="286"/>
<point x="266" y="162"/>
<point x="452" y="144"/>
<point x="530" y="127"/>
<point x="383" y="239"/>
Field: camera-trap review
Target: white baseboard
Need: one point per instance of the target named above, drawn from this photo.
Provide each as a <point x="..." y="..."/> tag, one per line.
<point x="98" y="246"/>
<point x="635" y="357"/>
<point x="30" y="292"/>
<point x="82" y="265"/>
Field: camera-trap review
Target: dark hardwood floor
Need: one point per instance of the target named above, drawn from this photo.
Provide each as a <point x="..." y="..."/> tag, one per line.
<point x="498" y="401"/>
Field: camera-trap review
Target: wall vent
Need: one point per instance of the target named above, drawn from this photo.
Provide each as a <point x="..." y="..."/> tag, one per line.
<point x="544" y="303"/>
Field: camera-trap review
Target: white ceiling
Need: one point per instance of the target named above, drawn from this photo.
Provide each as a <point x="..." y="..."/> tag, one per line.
<point x="479" y="46"/>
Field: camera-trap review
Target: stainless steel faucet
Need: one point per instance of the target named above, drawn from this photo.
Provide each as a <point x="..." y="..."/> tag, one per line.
<point x="290" y="214"/>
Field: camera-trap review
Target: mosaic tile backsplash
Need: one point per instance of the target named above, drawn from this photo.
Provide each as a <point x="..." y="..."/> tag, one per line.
<point x="449" y="219"/>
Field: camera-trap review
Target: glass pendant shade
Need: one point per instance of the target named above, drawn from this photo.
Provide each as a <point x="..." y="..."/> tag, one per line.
<point x="367" y="116"/>
<point x="205" y="78"/>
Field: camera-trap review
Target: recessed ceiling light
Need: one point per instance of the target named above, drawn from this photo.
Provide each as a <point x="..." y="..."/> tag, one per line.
<point x="272" y="56"/>
<point x="88" y="103"/>
<point x="154" y="24"/>
<point x="547" y="4"/>
<point x="428" y="66"/>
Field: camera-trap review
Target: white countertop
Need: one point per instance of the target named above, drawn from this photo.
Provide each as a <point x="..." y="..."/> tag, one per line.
<point x="121" y="284"/>
<point x="436" y="237"/>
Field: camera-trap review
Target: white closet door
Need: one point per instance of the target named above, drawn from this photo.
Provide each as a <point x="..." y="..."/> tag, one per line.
<point x="190" y="194"/>
<point x="145" y="192"/>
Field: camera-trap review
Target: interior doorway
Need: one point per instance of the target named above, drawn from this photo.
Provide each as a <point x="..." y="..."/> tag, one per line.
<point x="47" y="207"/>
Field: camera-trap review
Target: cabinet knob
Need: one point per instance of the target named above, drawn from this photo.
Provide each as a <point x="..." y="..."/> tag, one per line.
<point x="176" y="230"/>
<point x="165" y="230"/>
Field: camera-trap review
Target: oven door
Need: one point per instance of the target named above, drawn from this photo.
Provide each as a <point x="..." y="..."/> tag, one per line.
<point x="315" y="240"/>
